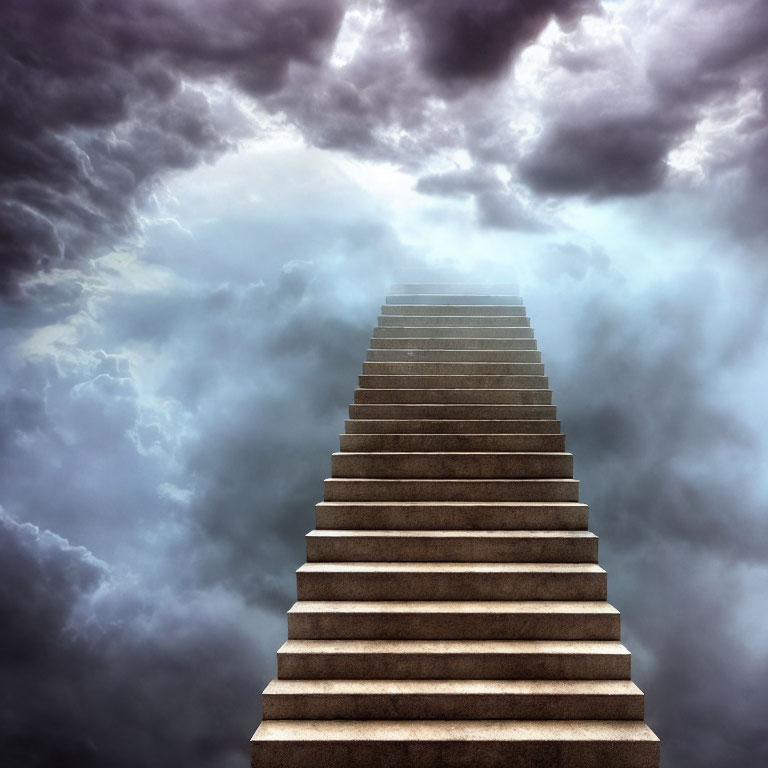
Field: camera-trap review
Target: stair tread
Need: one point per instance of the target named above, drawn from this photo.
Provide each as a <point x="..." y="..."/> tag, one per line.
<point x="546" y="454"/>
<point x="453" y="606"/>
<point x="461" y="645"/>
<point x="449" y="534"/>
<point x="498" y="687"/>
<point x="512" y="504"/>
<point x="405" y="567"/>
<point x="579" y="647"/>
<point x="454" y="731"/>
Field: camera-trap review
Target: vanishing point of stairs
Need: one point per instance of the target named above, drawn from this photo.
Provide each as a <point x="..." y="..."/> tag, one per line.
<point x="452" y="611"/>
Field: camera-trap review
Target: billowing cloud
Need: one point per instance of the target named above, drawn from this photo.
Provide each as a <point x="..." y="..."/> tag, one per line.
<point x="114" y="671"/>
<point x="459" y="40"/>
<point x="167" y="410"/>
<point x="635" y="371"/>
<point x="98" y="101"/>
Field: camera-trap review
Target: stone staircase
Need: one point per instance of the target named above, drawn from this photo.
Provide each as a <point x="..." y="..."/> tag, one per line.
<point x="451" y="611"/>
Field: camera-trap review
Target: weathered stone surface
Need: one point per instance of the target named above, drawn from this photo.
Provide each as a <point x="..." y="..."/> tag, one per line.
<point x="451" y="581"/>
<point x="453" y="660"/>
<point x="365" y="489"/>
<point x="451" y="612"/>
<point x="453" y="620"/>
<point x="455" y="744"/>
<point x="436" y="422"/>
<point x="452" y="700"/>
<point x="472" y="310"/>
<point x="452" y="443"/>
<point x="452" y="546"/>
<point x="454" y="515"/>
<point x="454" y="355"/>
<point x="456" y="332"/>
<point x="370" y="396"/>
<point x="473" y="343"/>
<point x="466" y="321"/>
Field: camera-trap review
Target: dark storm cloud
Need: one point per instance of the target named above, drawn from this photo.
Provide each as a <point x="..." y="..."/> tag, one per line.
<point x="621" y="154"/>
<point x="97" y="675"/>
<point x="460" y="40"/>
<point x="497" y="206"/>
<point x="615" y="141"/>
<point x="96" y="102"/>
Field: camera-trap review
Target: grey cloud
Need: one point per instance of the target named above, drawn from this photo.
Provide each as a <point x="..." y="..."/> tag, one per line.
<point x="459" y="183"/>
<point x="496" y="205"/>
<point x="114" y="672"/>
<point x="505" y="210"/>
<point x="560" y="259"/>
<point x="636" y="374"/>
<point x="616" y="140"/>
<point x="95" y="105"/>
<point x="183" y="438"/>
<point x="620" y="154"/>
<point x="461" y="40"/>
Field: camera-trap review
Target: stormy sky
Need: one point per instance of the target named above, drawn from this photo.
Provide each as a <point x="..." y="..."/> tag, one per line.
<point x="201" y="205"/>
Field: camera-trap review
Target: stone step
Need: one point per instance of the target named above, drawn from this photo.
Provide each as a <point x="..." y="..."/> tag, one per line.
<point x="460" y="620"/>
<point x="328" y="546"/>
<point x="451" y="581"/>
<point x="468" y="310"/>
<point x="454" y="466"/>
<point x="427" y="515"/>
<point x="452" y="369"/>
<point x="420" y="332"/>
<point x="473" y="289"/>
<point x="447" y="299"/>
<point x="473" y="344"/>
<point x="483" y="443"/>
<point x="453" y="321"/>
<point x="454" y="426"/>
<point x="453" y="700"/>
<point x="453" y="659"/>
<point x="455" y="744"/>
<point x="453" y="356"/>
<point x="451" y="412"/>
<point x="447" y="381"/>
<point x="375" y="489"/>
<point x="454" y="396"/>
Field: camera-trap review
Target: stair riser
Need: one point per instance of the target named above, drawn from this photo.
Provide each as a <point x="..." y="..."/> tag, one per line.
<point x="452" y="666"/>
<point x="479" y="626"/>
<point x="369" y="443"/>
<point x="467" y="466"/>
<point x="427" y="425"/>
<point x="452" y="333"/>
<point x="457" y="321"/>
<point x="449" y="299"/>
<point x="451" y="707"/>
<point x="453" y="396"/>
<point x="457" y="412"/>
<point x="337" y="489"/>
<point x="451" y="517"/>
<point x="455" y="753"/>
<point x="454" y="382"/>
<point x="451" y="586"/>
<point x="453" y="356"/>
<point x="469" y="289"/>
<point x="471" y="310"/>
<point x="473" y="344"/>
<point x="459" y="550"/>
<point x="453" y="369"/>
